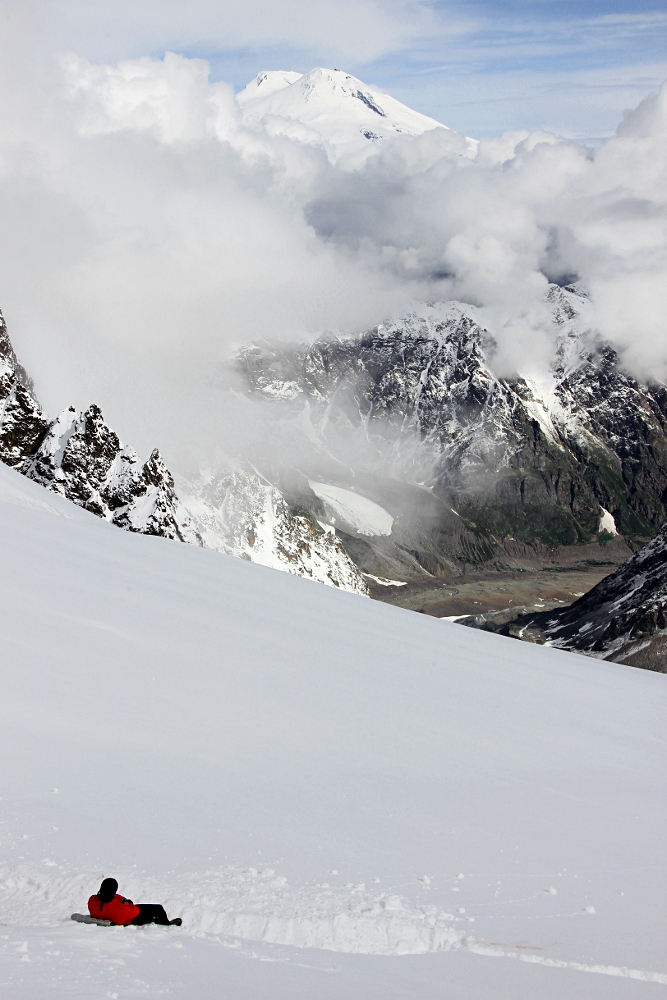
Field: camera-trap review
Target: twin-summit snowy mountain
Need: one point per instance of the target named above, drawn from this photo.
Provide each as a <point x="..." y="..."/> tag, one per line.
<point x="330" y="108"/>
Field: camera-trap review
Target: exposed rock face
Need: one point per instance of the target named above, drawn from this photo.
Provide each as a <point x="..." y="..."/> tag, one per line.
<point x="81" y="458"/>
<point x="78" y="456"/>
<point x="623" y="618"/>
<point x="519" y="460"/>
<point x="22" y="422"/>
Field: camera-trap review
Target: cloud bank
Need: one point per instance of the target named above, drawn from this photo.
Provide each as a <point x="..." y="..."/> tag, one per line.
<point x="148" y="233"/>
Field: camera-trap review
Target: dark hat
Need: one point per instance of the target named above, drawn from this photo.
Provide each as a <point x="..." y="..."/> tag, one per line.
<point x="108" y="890"/>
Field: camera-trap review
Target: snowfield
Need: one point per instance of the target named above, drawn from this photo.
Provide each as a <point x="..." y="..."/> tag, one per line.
<point x="342" y="799"/>
<point x="353" y="511"/>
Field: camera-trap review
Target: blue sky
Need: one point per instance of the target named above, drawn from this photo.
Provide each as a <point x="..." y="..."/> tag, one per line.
<point x="478" y="67"/>
<point x="484" y="68"/>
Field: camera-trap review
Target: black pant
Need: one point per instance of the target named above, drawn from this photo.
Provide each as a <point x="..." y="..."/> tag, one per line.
<point x="151" y="913"/>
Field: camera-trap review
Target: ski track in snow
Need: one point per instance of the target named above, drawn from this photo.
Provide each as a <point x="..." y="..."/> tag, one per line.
<point x="249" y="908"/>
<point x="249" y="904"/>
<point x="480" y="948"/>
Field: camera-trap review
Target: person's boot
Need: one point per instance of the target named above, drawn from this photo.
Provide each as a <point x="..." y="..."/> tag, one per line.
<point x="176" y="922"/>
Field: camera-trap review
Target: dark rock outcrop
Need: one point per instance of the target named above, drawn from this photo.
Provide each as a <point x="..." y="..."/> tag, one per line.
<point x="623" y="618"/>
<point x="23" y="424"/>
<point x="81" y="458"/>
<point x="78" y="456"/>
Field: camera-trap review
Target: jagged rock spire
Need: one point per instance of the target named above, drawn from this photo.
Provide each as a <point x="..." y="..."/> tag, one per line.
<point x="79" y="456"/>
<point x="22" y="420"/>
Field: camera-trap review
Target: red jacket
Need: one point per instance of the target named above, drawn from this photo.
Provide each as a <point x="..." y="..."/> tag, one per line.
<point x="118" y="910"/>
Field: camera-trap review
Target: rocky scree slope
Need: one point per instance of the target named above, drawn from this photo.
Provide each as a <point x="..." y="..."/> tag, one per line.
<point x="532" y="468"/>
<point x="623" y="618"/>
<point x="78" y="456"/>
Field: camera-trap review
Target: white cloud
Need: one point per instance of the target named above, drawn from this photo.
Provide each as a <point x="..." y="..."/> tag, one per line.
<point x="348" y="29"/>
<point x="530" y="205"/>
<point x="152" y="233"/>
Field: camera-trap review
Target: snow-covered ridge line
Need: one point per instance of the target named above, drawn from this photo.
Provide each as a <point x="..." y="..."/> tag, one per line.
<point x="241" y="514"/>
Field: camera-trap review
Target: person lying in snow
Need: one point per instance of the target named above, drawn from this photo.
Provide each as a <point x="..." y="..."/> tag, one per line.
<point x="108" y="905"/>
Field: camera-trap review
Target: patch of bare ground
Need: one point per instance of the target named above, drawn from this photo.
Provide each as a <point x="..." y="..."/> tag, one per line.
<point x="511" y="592"/>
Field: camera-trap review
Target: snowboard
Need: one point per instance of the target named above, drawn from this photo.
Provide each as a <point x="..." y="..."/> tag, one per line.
<point x="83" y="918"/>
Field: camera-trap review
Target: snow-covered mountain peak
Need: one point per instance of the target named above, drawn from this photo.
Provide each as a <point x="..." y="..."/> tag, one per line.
<point x="266" y="83"/>
<point x="321" y="85"/>
<point x="339" y="110"/>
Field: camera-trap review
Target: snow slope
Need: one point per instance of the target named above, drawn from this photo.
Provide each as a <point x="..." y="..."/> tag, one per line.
<point x="330" y="107"/>
<point x="351" y="510"/>
<point x="317" y="783"/>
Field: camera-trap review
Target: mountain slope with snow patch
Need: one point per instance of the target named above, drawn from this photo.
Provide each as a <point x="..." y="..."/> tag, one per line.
<point x="78" y="456"/>
<point x="527" y="460"/>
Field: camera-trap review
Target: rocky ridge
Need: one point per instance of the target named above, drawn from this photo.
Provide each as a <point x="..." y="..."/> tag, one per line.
<point x="78" y="456"/>
<point x="567" y="461"/>
<point x="81" y="458"/>
<point x="22" y="422"/>
<point x="623" y="618"/>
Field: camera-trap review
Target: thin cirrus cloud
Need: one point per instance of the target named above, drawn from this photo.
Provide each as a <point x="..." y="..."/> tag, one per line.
<point x="569" y="68"/>
<point x="345" y="29"/>
<point x="502" y="38"/>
